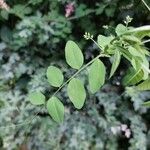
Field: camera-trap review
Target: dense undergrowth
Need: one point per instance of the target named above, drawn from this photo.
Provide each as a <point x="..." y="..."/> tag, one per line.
<point x="33" y="36"/>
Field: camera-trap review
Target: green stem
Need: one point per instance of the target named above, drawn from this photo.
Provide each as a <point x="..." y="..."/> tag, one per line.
<point x="146" y="5"/>
<point x="146" y="41"/>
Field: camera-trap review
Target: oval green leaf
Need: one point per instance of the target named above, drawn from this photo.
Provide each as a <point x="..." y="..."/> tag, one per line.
<point x="73" y="54"/>
<point x="76" y="93"/>
<point x="116" y="63"/>
<point x="37" y="98"/>
<point x="54" y="76"/>
<point x="121" y="29"/>
<point x="56" y="109"/>
<point x="97" y="73"/>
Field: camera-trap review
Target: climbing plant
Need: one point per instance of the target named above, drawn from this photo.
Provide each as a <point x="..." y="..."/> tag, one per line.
<point x="126" y="41"/>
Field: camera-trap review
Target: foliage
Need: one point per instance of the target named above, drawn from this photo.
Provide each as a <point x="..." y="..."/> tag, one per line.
<point x="127" y="43"/>
<point x="33" y="34"/>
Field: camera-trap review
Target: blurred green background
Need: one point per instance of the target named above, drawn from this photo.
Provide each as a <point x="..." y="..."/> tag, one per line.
<point x="33" y="35"/>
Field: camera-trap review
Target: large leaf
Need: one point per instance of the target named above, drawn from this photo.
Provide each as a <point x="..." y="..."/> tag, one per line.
<point x="55" y="76"/>
<point x="76" y="93"/>
<point x="37" y="98"/>
<point x="73" y="54"/>
<point x="56" y="109"/>
<point x="133" y="77"/>
<point x="145" y="85"/>
<point x="116" y="63"/>
<point x="96" y="75"/>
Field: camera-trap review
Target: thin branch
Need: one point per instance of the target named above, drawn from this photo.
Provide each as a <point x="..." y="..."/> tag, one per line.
<point x="146" y="5"/>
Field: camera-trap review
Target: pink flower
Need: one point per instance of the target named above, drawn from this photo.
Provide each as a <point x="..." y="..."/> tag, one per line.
<point x="123" y="127"/>
<point x="127" y="133"/>
<point x="69" y="9"/>
<point x="3" y="5"/>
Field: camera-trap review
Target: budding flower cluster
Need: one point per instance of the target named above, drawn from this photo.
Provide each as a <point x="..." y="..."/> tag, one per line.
<point x="88" y="36"/>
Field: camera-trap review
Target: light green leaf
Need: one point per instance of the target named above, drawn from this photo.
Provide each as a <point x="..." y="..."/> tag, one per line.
<point x="73" y="54"/>
<point x="76" y="93"/>
<point x="120" y="29"/>
<point x="131" y="39"/>
<point x="37" y="98"/>
<point x="134" y="52"/>
<point x="145" y="85"/>
<point x="56" y="109"/>
<point x="116" y="63"/>
<point x="146" y="103"/>
<point x="145" y="68"/>
<point x="97" y="73"/>
<point x="104" y="41"/>
<point x="140" y="29"/>
<point x="133" y="77"/>
<point x="55" y="76"/>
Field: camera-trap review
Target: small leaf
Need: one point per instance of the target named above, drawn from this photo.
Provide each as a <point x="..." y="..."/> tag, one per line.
<point x="76" y="93"/>
<point x="120" y="29"/>
<point x="37" y="98"/>
<point x="73" y="54"/>
<point x="146" y="104"/>
<point x="55" y="76"/>
<point x="104" y="41"/>
<point x="116" y="63"/>
<point x="56" y="109"/>
<point x="145" y="85"/>
<point x="97" y="73"/>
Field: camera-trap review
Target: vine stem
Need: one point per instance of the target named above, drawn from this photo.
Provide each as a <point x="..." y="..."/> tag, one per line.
<point x="146" y="5"/>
